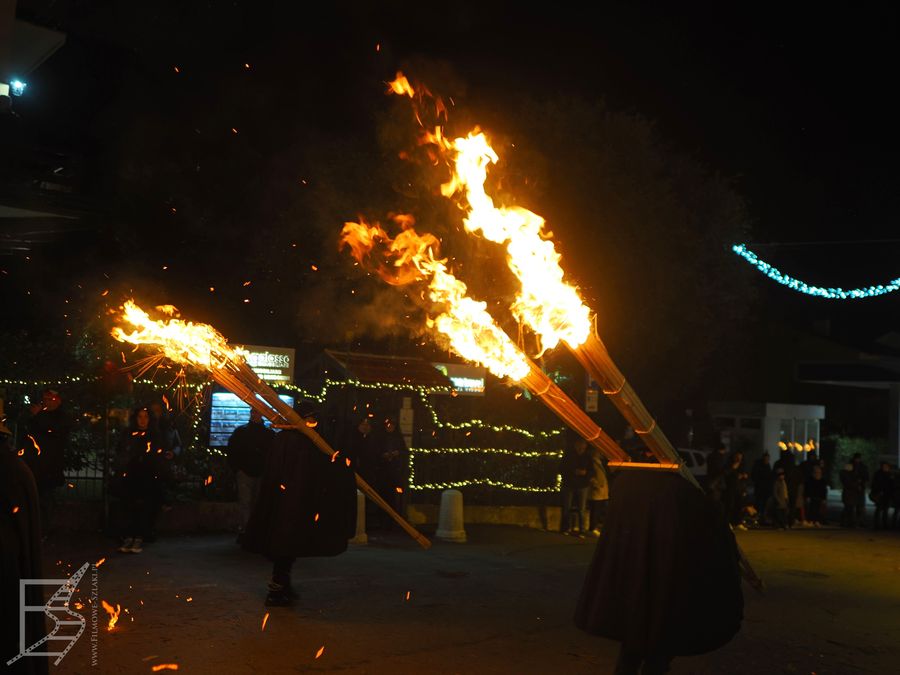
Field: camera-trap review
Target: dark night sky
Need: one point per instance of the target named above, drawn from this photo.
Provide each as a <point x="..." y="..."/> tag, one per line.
<point x="795" y="104"/>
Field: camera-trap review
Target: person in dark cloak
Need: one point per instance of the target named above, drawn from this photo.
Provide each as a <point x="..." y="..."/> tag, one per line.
<point x="664" y="580"/>
<point x="20" y="558"/>
<point x="306" y="508"/>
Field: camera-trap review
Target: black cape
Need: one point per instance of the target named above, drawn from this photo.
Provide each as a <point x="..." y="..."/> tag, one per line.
<point x="20" y="558"/>
<point x="299" y="482"/>
<point x="665" y="576"/>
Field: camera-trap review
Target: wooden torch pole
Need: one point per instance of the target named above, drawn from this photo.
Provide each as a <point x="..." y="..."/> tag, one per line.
<point x="595" y="358"/>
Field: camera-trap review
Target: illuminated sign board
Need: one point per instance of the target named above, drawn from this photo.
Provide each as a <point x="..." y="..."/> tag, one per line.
<point x="466" y="379"/>
<point x="228" y="412"/>
<point x="272" y="364"/>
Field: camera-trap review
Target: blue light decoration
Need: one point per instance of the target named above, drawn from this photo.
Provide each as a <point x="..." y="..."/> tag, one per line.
<point x="802" y="287"/>
<point x="17" y="87"/>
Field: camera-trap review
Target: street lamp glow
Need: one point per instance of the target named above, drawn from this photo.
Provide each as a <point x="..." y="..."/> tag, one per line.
<point x="17" y="87"/>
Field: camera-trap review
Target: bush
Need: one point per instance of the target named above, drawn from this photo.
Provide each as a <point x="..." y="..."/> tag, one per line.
<point x="847" y="446"/>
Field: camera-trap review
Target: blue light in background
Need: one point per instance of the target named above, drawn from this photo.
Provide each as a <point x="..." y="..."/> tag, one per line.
<point x="802" y="287"/>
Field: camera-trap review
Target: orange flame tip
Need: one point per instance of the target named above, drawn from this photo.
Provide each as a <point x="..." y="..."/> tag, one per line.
<point x="184" y="342"/>
<point x="400" y="86"/>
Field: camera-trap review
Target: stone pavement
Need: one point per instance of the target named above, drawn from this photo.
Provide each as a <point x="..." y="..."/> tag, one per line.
<point x="501" y="603"/>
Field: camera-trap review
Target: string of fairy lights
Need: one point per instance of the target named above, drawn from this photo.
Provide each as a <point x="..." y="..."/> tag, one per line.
<point x="423" y="393"/>
<point x="522" y="454"/>
<point x="196" y="418"/>
<point x="802" y="287"/>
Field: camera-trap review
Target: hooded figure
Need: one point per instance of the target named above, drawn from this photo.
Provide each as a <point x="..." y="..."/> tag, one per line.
<point x="20" y="558"/>
<point x="306" y="508"/>
<point x="665" y="579"/>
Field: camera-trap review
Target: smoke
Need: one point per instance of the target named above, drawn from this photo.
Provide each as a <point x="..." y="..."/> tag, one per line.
<point x="336" y="311"/>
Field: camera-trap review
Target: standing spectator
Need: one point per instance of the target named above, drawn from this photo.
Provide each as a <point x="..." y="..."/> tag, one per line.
<point x="816" y="492"/>
<point x="165" y="426"/>
<point x="142" y="464"/>
<point x="762" y="477"/>
<point x="861" y="472"/>
<point x="896" y="500"/>
<point x="780" y="500"/>
<point x="598" y="492"/>
<point x="850" y="489"/>
<point x="246" y="452"/>
<point x="631" y="444"/>
<point x="44" y="449"/>
<point x="715" y="467"/>
<point x="576" y="468"/>
<point x="882" y="494"/>
<point x="734" y="490"/>
<point x="362" y="449"/>
<point x="392" y="470"/>
<point x="793" y="478"/>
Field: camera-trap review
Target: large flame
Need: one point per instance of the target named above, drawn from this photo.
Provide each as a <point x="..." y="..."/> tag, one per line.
<point x="196" y="344"/>
<point x="547" y="304"/>
<point x="465" y="322"/>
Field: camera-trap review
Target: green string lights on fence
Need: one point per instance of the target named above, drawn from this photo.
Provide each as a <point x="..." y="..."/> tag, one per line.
<point x="527" y="454"/>
<point x="802" y="287"/>
<point x="196" y="417"/>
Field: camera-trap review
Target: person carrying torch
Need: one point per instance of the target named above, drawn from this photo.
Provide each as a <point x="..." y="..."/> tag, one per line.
<point x="306" y="508"/>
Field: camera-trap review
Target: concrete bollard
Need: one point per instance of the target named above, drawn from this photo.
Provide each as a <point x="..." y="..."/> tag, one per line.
<point x="361" y="536"/>
<point x="450" y="520"/>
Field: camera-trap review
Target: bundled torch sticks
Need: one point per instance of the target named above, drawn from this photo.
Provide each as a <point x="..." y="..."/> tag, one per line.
<point x="539" y="384"/>
<point x="595" y="359"/>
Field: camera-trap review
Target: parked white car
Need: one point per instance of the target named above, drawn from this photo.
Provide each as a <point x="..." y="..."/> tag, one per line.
<point x="695" y="461"/>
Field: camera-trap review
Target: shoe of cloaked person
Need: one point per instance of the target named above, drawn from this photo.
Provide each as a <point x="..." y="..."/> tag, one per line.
<point x="280" y="595"/>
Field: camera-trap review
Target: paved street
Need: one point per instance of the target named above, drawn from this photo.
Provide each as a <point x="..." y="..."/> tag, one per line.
<point x="501" y="603"/>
